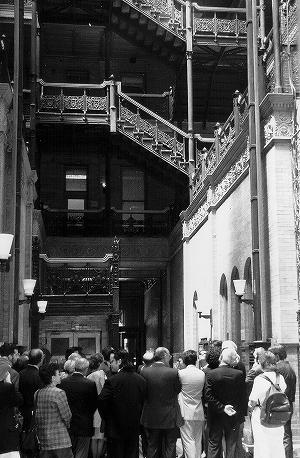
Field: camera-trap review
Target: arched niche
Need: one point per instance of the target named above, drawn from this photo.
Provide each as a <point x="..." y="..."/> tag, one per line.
<point x="223" y="309"/>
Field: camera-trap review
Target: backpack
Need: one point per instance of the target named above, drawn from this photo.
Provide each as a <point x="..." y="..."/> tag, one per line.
<point x="275" y="410"/>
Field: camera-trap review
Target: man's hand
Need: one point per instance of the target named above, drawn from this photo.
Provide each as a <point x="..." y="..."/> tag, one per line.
<point x="229" y="410"/>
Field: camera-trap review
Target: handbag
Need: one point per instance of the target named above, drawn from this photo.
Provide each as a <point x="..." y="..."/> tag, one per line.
<point x="30" y="443"/>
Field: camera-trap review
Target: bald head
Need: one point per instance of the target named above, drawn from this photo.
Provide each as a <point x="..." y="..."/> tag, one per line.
<point x="36" y="357"/>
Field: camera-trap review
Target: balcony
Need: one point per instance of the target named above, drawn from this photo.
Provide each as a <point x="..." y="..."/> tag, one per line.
<point x="105" y="223"/>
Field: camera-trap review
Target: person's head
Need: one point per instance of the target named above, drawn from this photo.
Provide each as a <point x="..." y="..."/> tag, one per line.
<point x="148" y="357"/>
<point x="81" y="365"/>
<point x="73" y="356"/>
<point x="7" y="350"/>
<point x="21" y="363"/>
<point x="213" y="357"/>
<point x="267" y="361"/>
<point x="69" y="366"/>
<point x="49" y="374"/>
<point x="257" y="352"/>
<point x="229" y="357"/>
<point x="229" y="344"/>
<point x="279" y="351"/>
<point x="122" y="361"/>
<point x="71" y="350"/>
<point x="162" y="354"/>
<point x="108" y="354"/>
<point x="36" y="357"/>
<point x="217" y="343"/>
<point x="4" y="369"/>
<point x="95" y="361"/>
<point x="189" y="357"/>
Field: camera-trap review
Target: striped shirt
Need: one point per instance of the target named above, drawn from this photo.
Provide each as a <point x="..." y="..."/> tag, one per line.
<point x="53" y="416"/>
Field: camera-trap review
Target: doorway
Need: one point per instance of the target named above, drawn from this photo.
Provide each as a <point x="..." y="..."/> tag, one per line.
<point x="59" y="342"/>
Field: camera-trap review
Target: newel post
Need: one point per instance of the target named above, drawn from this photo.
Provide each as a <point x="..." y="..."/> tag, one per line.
<point x="112" y="106"/>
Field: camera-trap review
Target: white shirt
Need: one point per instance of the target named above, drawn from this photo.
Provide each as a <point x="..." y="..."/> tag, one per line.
<point x="190" y="397"/>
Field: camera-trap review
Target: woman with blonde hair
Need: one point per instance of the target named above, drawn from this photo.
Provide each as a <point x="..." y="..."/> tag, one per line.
<point x="268" y="442"/>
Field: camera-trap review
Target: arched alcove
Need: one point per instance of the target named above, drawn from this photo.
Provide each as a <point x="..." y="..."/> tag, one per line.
<point x="223" y="310"/>
<point x="247" y="316"/>
<point x="235" y="319"/>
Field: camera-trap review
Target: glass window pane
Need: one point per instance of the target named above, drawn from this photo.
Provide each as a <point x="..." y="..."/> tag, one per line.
<point x="76" y="180"/>
<point x="75" y="204"/>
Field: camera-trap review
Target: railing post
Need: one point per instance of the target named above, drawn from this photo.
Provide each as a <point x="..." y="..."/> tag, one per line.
<point x="262" y="25"/>
<point x="217" y="141"/>
<point x="189" y="72"/>
<point x="276" y="42"/>
<point x="203" y="162"/>
<point x="61" y="102"/>
<point x="84" y="104"/>
<point x="236" y="112"/>
<point x="112" y="108"/>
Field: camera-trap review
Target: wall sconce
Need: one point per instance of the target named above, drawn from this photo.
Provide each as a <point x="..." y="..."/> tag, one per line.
<point x="5" y="246"/>
<point x="42" y="305"/>
<point x="208" y="317"/>
<point x="239" y="286"/>
<point x="28" y="285"/>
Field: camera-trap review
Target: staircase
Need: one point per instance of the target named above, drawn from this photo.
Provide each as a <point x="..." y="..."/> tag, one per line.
<point x="106" y="104"/>
<point x="166" y="19"/>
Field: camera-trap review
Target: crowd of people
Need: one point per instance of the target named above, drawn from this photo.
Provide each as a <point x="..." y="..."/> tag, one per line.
<point x="105" y="407"/>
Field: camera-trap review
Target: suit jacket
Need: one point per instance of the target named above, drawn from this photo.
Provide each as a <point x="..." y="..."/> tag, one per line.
<point x="82" y="399"/>
<point x="9" y="436"/>
<point x="29" y="383"/>
<point x="190" y="398"/>
<point x="120" y="404"/>
<point x="225" y="385"/>
<point x="14" y="375"/>
<point x="161" y="409"/>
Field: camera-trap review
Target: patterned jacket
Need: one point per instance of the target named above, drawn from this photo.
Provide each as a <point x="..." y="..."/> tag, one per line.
<point x="53" y="416"/>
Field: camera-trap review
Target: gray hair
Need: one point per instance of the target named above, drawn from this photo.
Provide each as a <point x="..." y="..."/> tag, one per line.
<point x="81" y="365"/>
<point x="161" y="353"/>
<point x="69" y="366"/>
<point x="229" y="356"/>
<point x="229" y="344"/>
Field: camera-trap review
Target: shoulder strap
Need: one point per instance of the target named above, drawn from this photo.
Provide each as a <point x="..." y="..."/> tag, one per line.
<point x="277" y="387"/>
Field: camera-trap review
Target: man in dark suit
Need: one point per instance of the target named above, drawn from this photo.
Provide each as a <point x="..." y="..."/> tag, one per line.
<point x="120" y="404"/>
<point x="225" y="393"/>
<point x="82" y="398"/>
<point x="161" y="414"/>
<point x="29" y="383"/>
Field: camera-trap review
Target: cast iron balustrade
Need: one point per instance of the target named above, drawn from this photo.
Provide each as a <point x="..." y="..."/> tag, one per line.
<point x="71" y="103"/>
<point x="211" y="25"/>
<point x="67" y="280"/>
<point x="101" y="223"/>
<point x="86" y="102"/>
<point x="225" y="136"/>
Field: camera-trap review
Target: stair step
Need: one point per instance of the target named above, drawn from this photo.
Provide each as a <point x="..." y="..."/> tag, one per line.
<point x="129" y="127"/>
<point x="145" y="7"/>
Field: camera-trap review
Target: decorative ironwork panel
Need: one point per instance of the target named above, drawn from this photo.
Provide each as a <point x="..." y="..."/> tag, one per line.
<point x="203" y="25"/>
<point x="96" y="103"/>
<point x="69" y="281"/>
<point x="50" y="102"/>
<point x="226" y="26"/>
<point x="72" y="102"/>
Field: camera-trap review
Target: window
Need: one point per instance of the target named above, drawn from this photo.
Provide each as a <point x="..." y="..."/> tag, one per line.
<point x="76" y="180"/>
<point x="133" y="193"/>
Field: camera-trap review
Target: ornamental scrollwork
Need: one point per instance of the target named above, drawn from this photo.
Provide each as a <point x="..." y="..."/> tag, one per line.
<point x="195" y="221"/>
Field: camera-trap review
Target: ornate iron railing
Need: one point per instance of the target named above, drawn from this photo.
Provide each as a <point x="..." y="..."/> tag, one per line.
<point x="213" y="22"/>
<point x="102" y="223"/>
<point x="81" y="99"/>
<point x="225" y="136"/>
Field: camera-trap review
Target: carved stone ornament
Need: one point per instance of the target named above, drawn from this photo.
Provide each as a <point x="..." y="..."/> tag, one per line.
<point x="230" y="178"/>
<point x="278" y="125"/>
<point x="196" y="219"/>
<point x="215" y="195"/>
